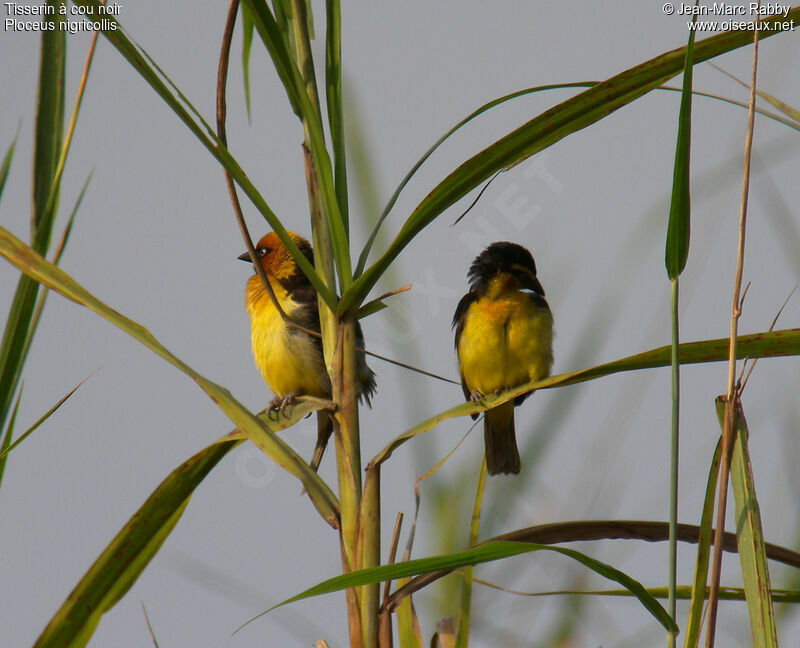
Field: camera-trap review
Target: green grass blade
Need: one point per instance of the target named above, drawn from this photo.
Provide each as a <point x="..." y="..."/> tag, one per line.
<point x="488" y="552"/>
<point x="5" y="167"/>
<point x="247" y="42"/>
<point x="120" y="564"/>
<point x="677" y="248"/>
<point x="56" y="279"/>
<point x="698" y="591"/>
<point x="551" y="126"/>
<point x="48" y="133"/>
<point x="681" y="592"/>
<point x="676" y="253"/>
<point x="9" y="434"/>
<point x="35" y="426"/>
<point x="333" y="93"/>
<point x="48" y="127"/>
<point x="770" y="344"/>
<point x="750" y="535"/>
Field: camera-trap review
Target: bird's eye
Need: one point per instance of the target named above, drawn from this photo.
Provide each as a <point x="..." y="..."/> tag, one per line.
<point x="262" y="252"/>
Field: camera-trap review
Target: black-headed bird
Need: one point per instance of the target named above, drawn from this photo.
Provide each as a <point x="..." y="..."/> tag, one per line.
<point x="289" y="359"/>
<point x="504" y="336"/>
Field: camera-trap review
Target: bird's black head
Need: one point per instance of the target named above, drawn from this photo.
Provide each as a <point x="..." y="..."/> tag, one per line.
<point x="505" y="257"/>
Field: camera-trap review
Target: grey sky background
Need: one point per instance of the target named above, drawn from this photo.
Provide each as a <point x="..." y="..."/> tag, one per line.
<point x="155" y="239"/>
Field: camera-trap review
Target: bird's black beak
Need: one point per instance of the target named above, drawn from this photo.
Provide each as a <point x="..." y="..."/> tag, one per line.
<point x="244" y="257"/>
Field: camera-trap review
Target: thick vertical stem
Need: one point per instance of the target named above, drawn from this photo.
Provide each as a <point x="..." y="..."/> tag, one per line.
<point x="344" y="377"/>
<point x="369" y="552"/>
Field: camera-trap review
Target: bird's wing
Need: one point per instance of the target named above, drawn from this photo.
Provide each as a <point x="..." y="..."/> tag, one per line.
<point x="458" y="322"/>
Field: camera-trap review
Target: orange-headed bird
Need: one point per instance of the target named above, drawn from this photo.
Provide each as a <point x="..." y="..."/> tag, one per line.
<point x="504" y="335"/>
<point x="291" y="360"/>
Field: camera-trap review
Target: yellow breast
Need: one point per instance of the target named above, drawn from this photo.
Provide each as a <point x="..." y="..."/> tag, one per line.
<point x="288" y="359"/>
<point x="505" y="341"/>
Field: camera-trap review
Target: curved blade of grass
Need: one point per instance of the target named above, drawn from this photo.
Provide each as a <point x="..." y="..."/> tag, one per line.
<point x="42" y="419"/>
<point x="180" y="105"/>
<point x="758" y="345"/>
<point x="6" y="165"/>
<point x="749" y="534"/>
<point x="56" y="279"/>
<point x="694" y="622"/>
<point x="362" y="260"/>
<point x="564" y="119"/>
<point x="333" y="93"/>
<point x="681" y="592"/>
<point x="48" y="127"/>
<point x="123" y="560"/>
<point x="247" y="41"/>
<point x="584" y="530"/>
<point x="8" y="435"/>
<point x="488" y="552"/>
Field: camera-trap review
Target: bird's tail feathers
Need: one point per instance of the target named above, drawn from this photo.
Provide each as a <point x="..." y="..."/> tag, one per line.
<point x="502" y="455"/>
<point x="324" y="431"/>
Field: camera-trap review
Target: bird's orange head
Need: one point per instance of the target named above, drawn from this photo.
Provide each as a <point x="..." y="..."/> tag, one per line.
<point x="276" y="260"/>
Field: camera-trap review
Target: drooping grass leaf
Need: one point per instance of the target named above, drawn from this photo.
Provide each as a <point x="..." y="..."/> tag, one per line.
<point x="362" y="260"/>
<point x="6" y="164"/>
<point x="120" y="564"/>
<point x="488" y="552"/>
<point x="758" y="345"/>
<point x="8" y="435"/>
<point x="48" y="134"/>
<point x="56" y="279"/>
<point x="247" y="41"/>
<point x="48" y="127"/>
<point x="333" y="93"/>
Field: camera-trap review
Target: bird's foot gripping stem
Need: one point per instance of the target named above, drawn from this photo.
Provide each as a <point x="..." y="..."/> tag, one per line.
<point x="280" y="403"/>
